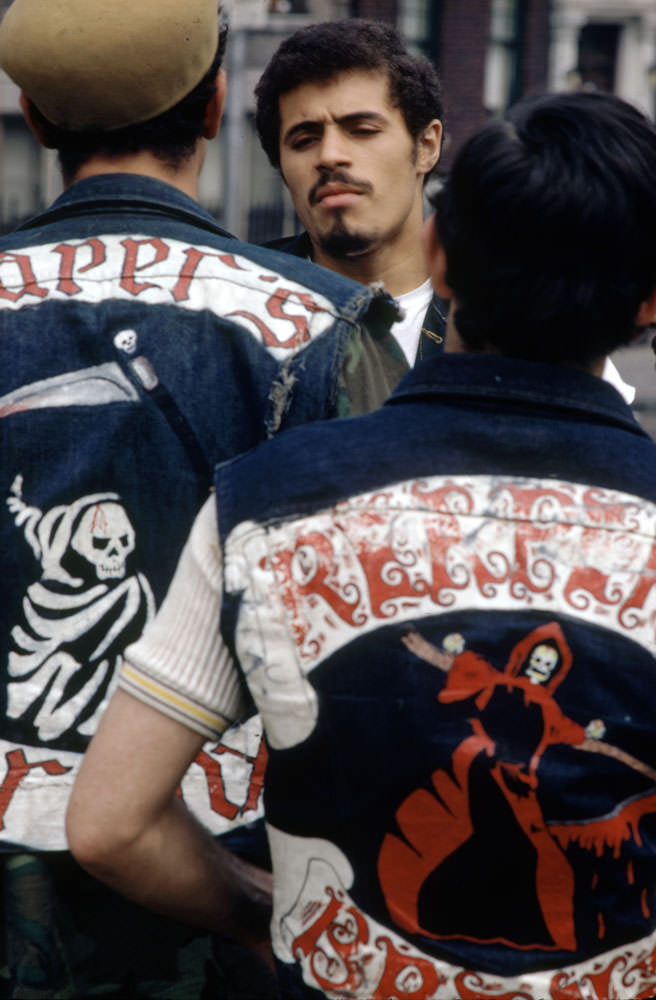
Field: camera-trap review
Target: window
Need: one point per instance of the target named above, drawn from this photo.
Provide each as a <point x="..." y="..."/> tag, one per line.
<point x="597" y="60"/>
<point x="415" y="22"/>
<point x="503" y="71"/>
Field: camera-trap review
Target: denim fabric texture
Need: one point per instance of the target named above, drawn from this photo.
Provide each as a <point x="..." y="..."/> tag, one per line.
<point x="445" y="618"/>
<point x="433" y="328"/>
<point x="140" y="344"/>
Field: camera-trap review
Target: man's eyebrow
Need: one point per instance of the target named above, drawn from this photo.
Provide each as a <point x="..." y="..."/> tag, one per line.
<point x="316" y="125"/>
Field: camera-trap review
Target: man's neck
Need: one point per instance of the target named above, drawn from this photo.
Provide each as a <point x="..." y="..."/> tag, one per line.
<point x="399" y="272"/>
<point x="454" y="345"/>
<point x="185" y="178"/>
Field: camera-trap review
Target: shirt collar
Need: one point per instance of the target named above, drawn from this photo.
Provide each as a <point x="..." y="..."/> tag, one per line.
<point x="513" y="380"/>
<point x="130" y="188"/>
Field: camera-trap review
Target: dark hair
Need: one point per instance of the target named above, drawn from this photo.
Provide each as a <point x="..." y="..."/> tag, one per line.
<point x="170" y="136"/>
<point x="547" y="221"/>
<point x="321" y="51"/>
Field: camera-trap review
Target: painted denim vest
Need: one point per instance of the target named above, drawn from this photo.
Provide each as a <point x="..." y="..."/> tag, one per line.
<point x="446" y="616"/>
<point x="139" y="346"/>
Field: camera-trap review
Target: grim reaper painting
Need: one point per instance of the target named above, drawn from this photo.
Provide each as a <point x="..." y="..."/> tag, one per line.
<point x="78" y="616"/>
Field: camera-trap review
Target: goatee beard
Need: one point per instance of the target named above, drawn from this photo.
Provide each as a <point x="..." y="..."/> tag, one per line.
<point x="339" y="242"/>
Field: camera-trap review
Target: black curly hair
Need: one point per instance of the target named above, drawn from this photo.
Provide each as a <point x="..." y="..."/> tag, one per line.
<point x="321" y="51"/>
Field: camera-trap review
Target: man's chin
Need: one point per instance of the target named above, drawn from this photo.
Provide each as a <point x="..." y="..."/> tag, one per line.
<point x="341" y="243"/>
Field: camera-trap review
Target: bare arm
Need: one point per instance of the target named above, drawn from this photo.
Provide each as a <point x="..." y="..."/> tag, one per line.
<point x="127" y="827"/>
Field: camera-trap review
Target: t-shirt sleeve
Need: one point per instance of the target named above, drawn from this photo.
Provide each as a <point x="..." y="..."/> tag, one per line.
<point x="373" y="366"/>
<point x="180" y="665"/>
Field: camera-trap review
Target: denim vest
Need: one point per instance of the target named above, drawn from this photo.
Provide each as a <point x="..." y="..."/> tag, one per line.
<point x="140" y="344"/>
<point x="433" y="327"/>
<point x="445" y="613"/>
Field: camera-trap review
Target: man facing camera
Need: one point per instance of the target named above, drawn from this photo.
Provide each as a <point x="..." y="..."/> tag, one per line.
<point x="444" y="615"/>
<point x="353" y="121"/>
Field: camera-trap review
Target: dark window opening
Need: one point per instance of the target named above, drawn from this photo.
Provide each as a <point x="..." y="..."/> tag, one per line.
<point x="597" y="62"/>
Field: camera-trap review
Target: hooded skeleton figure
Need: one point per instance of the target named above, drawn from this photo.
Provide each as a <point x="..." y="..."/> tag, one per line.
<point x="79" y="616"/>
<point x="513" y="719"/>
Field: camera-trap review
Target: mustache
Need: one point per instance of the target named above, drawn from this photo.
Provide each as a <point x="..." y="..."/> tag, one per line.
<point x="337" y="177"/>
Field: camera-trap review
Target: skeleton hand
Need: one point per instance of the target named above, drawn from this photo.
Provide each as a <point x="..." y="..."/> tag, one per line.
<point x="427" y="651"/>
<point x="595" y="730"/>
<point x="15" y="504"/>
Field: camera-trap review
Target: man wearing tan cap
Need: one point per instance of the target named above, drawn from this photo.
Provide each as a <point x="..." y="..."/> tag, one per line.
<point x="140" y="345"/>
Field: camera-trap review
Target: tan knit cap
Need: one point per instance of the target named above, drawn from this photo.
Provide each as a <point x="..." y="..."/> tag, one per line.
<point x="105" y="64"/>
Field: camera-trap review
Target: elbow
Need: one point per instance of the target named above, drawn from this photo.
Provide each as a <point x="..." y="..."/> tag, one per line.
<point x="97" y="841"/>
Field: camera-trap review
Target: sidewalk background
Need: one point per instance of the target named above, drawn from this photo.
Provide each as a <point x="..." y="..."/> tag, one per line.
<point x="637" y="366"/>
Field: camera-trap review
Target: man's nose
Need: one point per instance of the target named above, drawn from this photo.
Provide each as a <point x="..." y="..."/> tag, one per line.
<point x="332" y="150"/>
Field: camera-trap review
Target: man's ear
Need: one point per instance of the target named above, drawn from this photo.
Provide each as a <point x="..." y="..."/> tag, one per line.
<point x="429" y="145"/>
<point x="33" y="122"/>
<point x="647" y="311"/>
<point x="215" y="106"/>
<point x="435" y="257"/>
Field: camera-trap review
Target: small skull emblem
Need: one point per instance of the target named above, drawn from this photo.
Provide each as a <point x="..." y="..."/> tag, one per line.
<point x="542" y="663"/>
<point x="126" y="341"/>
<point x="105" y="538"/>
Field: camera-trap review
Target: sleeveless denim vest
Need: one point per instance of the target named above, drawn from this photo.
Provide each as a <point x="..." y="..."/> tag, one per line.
<point x="445" y="613"/>
<point x="139" y="345"/>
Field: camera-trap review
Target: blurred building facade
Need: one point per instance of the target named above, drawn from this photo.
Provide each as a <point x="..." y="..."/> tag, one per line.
<point x="489" y="54"/>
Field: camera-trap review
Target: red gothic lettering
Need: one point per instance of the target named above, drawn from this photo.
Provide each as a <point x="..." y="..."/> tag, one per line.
<point x="386" y="572"/>
<point x="611" y="515"/>
<point x="628" y="615"/>
<point x="181" y="290"/>
<point x="406" y="976"/>
<point x="131" y="265"/>
<point x="469" y="986"/>
<point x="585" y="583"/>
<point x="442" y="535"/>
<point x="275" y="309"/>
<point x="527" y="502"/>
<point x="598" y="979"/>
<point x="30" y="286"/>
<point x="588" y="582"/>
<point x="345" y="935"/>
<point x="313" y="564"/>
<point x="449" y="499"/>
<point x="443" y="531"/>
<point x="340" y="965"/>
<point x="542" y="574"/>
<point x="68" y="253"/>
<point x="229" y="261"/>
<point x="306" y="942"/>
<point x="194" y="257"/>
<point x="256" y="782"/>
<point x="647" y="969"/>
<point x="17" y="769"/>
<point x="219" y="802"/>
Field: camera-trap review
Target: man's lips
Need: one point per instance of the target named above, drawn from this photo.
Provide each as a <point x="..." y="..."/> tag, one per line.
<point x="335" y="195"/>
<point x="339" y="200"/>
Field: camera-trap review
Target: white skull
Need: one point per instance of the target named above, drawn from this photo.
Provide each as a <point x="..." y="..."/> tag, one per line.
<point x="542" y="663"/>
<point x="126" y="341"/>
<point x="105" y="538"/>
